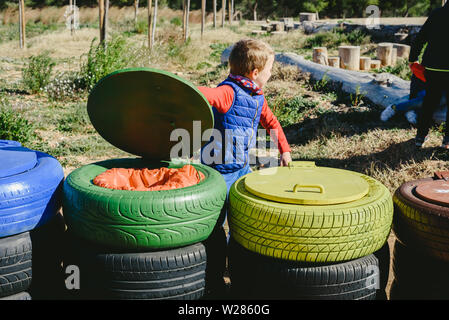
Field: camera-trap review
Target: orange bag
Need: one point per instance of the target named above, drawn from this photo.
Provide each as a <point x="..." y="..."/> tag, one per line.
<point x="149" y="180"/>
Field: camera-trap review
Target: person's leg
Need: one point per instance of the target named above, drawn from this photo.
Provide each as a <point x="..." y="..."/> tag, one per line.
<point x="434" y="92"/>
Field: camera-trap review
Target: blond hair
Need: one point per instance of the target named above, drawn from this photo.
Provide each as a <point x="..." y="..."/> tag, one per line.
<point x="249" y="54"/>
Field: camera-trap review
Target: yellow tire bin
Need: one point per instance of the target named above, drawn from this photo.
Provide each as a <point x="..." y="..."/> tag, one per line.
<point x="307" y="213"/>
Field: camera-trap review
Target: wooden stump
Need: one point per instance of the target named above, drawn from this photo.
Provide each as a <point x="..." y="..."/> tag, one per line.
<point x="278" y="32"/>
<point x="334" y="62"/>
<point x="394" y="56"/>
<point x="286" y="20"/>
<point x="365" y="63"/>
<point x="258" y="32"/>
<point x="277" y="26"/>
<point x="385" y="53"/>
<point x="320" y="55"/>
<point x="289" y="27"/>
<point x="307" y="16"/>
<point x="403" y="50"/>
<point x="375" y="64"/>
<point x="349" y="57"/>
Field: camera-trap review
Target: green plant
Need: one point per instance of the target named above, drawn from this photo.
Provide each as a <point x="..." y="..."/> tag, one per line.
<point x="36" y="75"/>
<point x="401" y="69"/>
<point x="141" y="27"/>
<point x="176" y="21"/>
<point x="13" y="126"/>
<point x="322" y="84"/>
<point x="75" y="121"/>
<point x="290" y="111"/>
<point x="64" y="86"/>
<point x="103" y="59"/>
<point x="357" y="98"/>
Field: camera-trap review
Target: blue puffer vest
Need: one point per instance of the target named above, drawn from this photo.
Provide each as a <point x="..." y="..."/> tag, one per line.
<point x="238" y="129"/>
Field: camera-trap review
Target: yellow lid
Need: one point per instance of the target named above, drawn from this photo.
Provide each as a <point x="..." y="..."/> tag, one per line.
<point x="304" y="183"/>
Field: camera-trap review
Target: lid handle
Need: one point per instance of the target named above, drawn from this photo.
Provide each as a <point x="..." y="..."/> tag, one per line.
<point x="301" y="164"/>
<point x="316" y="186"/>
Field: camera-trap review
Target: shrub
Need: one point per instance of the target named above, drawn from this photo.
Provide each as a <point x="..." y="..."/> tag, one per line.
<point x="102" y="60"/>
<point x="290" y="111"/>
<point x="36" y="75"/>
<point x="64" y="86"/>
<point x="401" y="69"/>
<point x="12" y="125"/>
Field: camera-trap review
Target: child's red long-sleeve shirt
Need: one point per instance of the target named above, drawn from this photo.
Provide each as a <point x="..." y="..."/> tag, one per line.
<point x="221" y="98"/>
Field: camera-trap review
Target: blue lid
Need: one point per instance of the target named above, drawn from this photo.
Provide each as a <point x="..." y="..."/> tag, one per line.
<point x="9" y="143"/>
<point x="15" y="160"/>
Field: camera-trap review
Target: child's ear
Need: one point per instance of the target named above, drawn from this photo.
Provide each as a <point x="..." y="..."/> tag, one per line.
<point x="253" y="74"/>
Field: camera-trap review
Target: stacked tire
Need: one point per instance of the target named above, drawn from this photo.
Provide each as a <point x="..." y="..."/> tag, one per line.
<point x="140" y="244"/>
<point x="30" y="226"/>
<point x="292" y="251"/>
<point x="421" y="226"/>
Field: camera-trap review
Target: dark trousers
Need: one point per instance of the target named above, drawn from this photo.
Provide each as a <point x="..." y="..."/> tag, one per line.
<point x="437" y="82"/>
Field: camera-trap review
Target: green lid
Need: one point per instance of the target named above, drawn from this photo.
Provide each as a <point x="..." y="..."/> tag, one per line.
<point x="137" y="109"/>
<point x="305" y="183"/>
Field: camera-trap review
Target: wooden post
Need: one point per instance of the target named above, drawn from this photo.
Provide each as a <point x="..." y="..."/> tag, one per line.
<point x="153" y="28"/>
<point x="136" y="10"/>
<point x="255" y="11"/>
<point x="102" y="26"/>
<point x="187" y="12"/>
<point x="394" y="56"/>
<point x="106" y="20"/>
<point x="223" y="12"/>
<point x="403" y="50"/>
<point x="375" y="64"/>
<point x="334" y="62"/>
<point x="230" y="12"/>
<point x="385" y="53"/>
<point x="214" y="4"/>
<point x="443" y="2"/>
<point x="349" y="57"/>
<point x="203" y="16"/>
<point x="307" y="16"/>
<point x="320" y="55"/>
<point x="365" y="63"/>
<point x="150" y="25"/>
<point x="22" y="23"/>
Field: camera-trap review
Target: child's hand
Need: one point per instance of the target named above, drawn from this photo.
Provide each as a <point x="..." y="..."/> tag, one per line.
<point x="286" y="158"/>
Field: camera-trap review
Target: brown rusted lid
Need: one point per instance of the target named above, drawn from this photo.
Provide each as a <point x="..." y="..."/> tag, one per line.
<point x="441" y="175"/>
<point x="434" y="191"/>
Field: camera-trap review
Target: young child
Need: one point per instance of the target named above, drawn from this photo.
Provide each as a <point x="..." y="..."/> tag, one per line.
<point x="239" y="106"/>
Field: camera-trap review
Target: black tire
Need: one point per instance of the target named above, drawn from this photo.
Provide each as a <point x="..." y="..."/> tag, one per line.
<point x="15" y="264"/>
<point x="18" y="296"/>
<point x="421" y="224"/>
<point x="142" y="220"/>
<point x="255" y="276"/>
<point x="48" y="245"/>
<point x="177" y="274"/>
<point x="417" y="275"/>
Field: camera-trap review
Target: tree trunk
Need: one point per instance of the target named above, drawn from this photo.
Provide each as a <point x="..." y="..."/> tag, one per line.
<point x="403" y="50"/>
<point x="230" y="12"/>
<point x="106" y="13"/>
<point x="334" y="62"/>
<point x="349" y="57"/>
<point x="22" y="23"/>
<point x="384" y="53"/>
<point x="320" y="56"/>
<point x="150" y="25"/>
<point x="223" y="12"/>
<point x="215" y="13"/>
<point x="203" y="16"/>
<point x="255" y="11"/>
<point x="365" y="63"/>
<point x="443" y="2"/>
<point x="187" y="10"/>
<point x="136" y="10"/>
<point x="101" y="12"/>
<point x="153" y="27"/>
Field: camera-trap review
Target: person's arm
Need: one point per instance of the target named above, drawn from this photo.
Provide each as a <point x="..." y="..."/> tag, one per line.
<point x="269" y="121"/>
<point x="220" y="97"/>
<point x="421" y="39"/>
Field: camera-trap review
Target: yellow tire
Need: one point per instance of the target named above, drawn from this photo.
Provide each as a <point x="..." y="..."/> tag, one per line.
<point x="311" y="233"/>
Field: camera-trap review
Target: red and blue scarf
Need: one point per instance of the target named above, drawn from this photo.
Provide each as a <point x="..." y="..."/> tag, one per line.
<point x="247" y="83"/>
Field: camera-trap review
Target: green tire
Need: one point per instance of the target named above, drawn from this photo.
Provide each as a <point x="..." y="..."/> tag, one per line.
<point x="142" y="220"/>
<point x="311" y="233"/>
